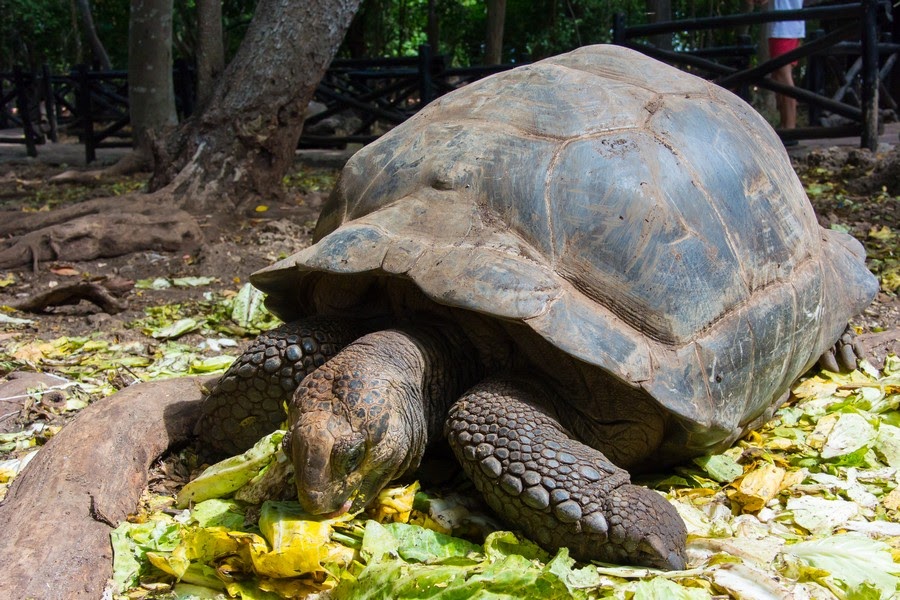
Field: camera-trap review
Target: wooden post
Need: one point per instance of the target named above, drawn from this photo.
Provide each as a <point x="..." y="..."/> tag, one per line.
<point x="85" y="112"/>
<point x="4" y="119"/>
<point x="426" y="88"/>
<point x="619" y="29"/>
<point x="22" y="96"/>
<point x="743" y="63"/>
<point x="869" y="49"/>
<point x="49" y="101"/>
<point x="815" y="74"/>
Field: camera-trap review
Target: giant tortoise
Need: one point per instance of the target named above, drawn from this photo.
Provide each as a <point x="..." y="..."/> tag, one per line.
<point x="581" y="267"/>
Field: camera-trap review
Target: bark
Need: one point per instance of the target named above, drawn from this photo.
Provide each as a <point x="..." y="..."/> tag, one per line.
<point x="210" y="48"/>
<point x="60" y="510"/>
<point x="97" y="49"/>
<point x="76" y="39"/>
<point x="433" y="28"/>
<point x="493" y="47"/>
<point x="660" y="11"/>
<point x="72" y="294"/>
<point x="95" y="233"/>
<point x="151" y="93"/>
<point x="237" y="150"/>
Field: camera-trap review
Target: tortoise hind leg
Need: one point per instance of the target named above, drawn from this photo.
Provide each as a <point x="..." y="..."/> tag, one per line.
<point x="558" y="490"/>
<point x="248" y="401"/>
<point x="843" y="357"/>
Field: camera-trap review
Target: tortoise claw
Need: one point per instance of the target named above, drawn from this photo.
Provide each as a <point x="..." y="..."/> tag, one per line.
<point x="845" y="355"/>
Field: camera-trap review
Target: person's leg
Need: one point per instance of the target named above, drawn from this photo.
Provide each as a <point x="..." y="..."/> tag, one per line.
<point x="787" y="106"/>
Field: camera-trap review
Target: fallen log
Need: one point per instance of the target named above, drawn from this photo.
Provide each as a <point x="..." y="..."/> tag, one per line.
<point x="59" y="511"/>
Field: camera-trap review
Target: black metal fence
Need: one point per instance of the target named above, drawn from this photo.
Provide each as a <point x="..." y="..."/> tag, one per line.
<point x="361" y="99"/>
<point x="358" y="100"/>
<point x="93" y="105"/>
<point x="864" y="35"/>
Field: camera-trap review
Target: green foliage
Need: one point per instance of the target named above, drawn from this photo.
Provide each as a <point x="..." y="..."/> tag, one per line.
<point x="35" y="31"/>
<point x="534" y="29"/>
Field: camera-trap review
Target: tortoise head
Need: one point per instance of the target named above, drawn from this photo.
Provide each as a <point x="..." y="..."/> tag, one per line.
<point x="348" y="438"/>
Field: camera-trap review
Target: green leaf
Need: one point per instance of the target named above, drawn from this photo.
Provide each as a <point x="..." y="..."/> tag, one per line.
<point x="218" y="513"/>
<point x="225" y="477"/>
<point x="378" y="543"/>
<point x="176" y="329"/>
<point x="887" y="444"/>
<point x="160" y="283"/>
<point x="720" y="467"/>
<point x="424" y="545"/>
<point x="852" y="559"/>
<point x="248" y="306"/>
<point x="660" y="588"/>
<point x="819" y="515"/>
<point x="192" y="281"/>
<point x="126" y="566"/>
<point x="850" y="433"/>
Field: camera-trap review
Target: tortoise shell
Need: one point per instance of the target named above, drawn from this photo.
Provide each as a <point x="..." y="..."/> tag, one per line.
<point x="640" y="219"/>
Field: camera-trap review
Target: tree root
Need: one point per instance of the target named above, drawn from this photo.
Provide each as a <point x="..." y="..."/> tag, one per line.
<point x="98" y="235"/>
<point x="133" y="162"/>
<point x="59" y="511"/>
<point x="72" y="294"/>
<point x="19" y="223"/>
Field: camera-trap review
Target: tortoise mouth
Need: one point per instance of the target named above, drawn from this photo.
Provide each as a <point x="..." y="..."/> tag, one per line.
<point x="344" y="509"/>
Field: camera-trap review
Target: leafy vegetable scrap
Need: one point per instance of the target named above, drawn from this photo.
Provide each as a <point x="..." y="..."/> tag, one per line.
<point x="806" y="508"/>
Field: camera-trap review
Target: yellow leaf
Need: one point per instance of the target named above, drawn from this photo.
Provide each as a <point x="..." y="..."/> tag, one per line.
<point x="883" y="233"/>
<point x="820" y="434"/>
<point x="205" y="544"/>
<point x="892" y="500"/>
<point x="175" y="564"/>
<point x="394" y="504"/>
<point x="757" y="487"/>
<point x="816" y="387"/>
<point x="262" y="208"/>
<point x="33" y="352"/>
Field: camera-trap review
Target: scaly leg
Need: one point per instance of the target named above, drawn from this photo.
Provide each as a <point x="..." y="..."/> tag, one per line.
<point x="248" y="401"/>
<point x="559" y="491"/>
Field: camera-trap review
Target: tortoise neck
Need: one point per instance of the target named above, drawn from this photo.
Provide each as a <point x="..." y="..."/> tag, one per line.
<point x="430" y="366"/>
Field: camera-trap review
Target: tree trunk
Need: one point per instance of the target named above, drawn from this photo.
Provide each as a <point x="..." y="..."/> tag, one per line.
<point x="151" y="93"/>
<point x="433" y="28"/>
<point x="210" y="48"/>
<point x="493" y="47"/>
<point x="660" y="11"/>
<point x="73" y="13"/>
<point x="237" y="150"/>
<point x="87" y="20"/>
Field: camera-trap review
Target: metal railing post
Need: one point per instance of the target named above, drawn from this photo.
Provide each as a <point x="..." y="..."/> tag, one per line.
<point x="815" y="81"/>
<point x="24" y="109"/>
<point x="426" y="87"/>
<point x="85" y="111"/>
<point x="618" y="36"/>
<point x="869" y="39"/>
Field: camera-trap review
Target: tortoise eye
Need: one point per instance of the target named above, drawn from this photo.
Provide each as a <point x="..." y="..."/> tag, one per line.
<point x="353" y="456"/>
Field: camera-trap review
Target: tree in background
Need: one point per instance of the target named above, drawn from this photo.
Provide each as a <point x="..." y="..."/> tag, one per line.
<point x="223" y="160"/>
<point x="90" y="32"/>
<point x="493" y="45"/>
<point x="210" y="48"/>
<point x="151" y="94"/>
<point x="237" y="150"/>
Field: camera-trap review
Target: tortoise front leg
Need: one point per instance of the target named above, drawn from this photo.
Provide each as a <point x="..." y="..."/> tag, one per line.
<point x="558" y="490"/>
<point x="248" y="402"/>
